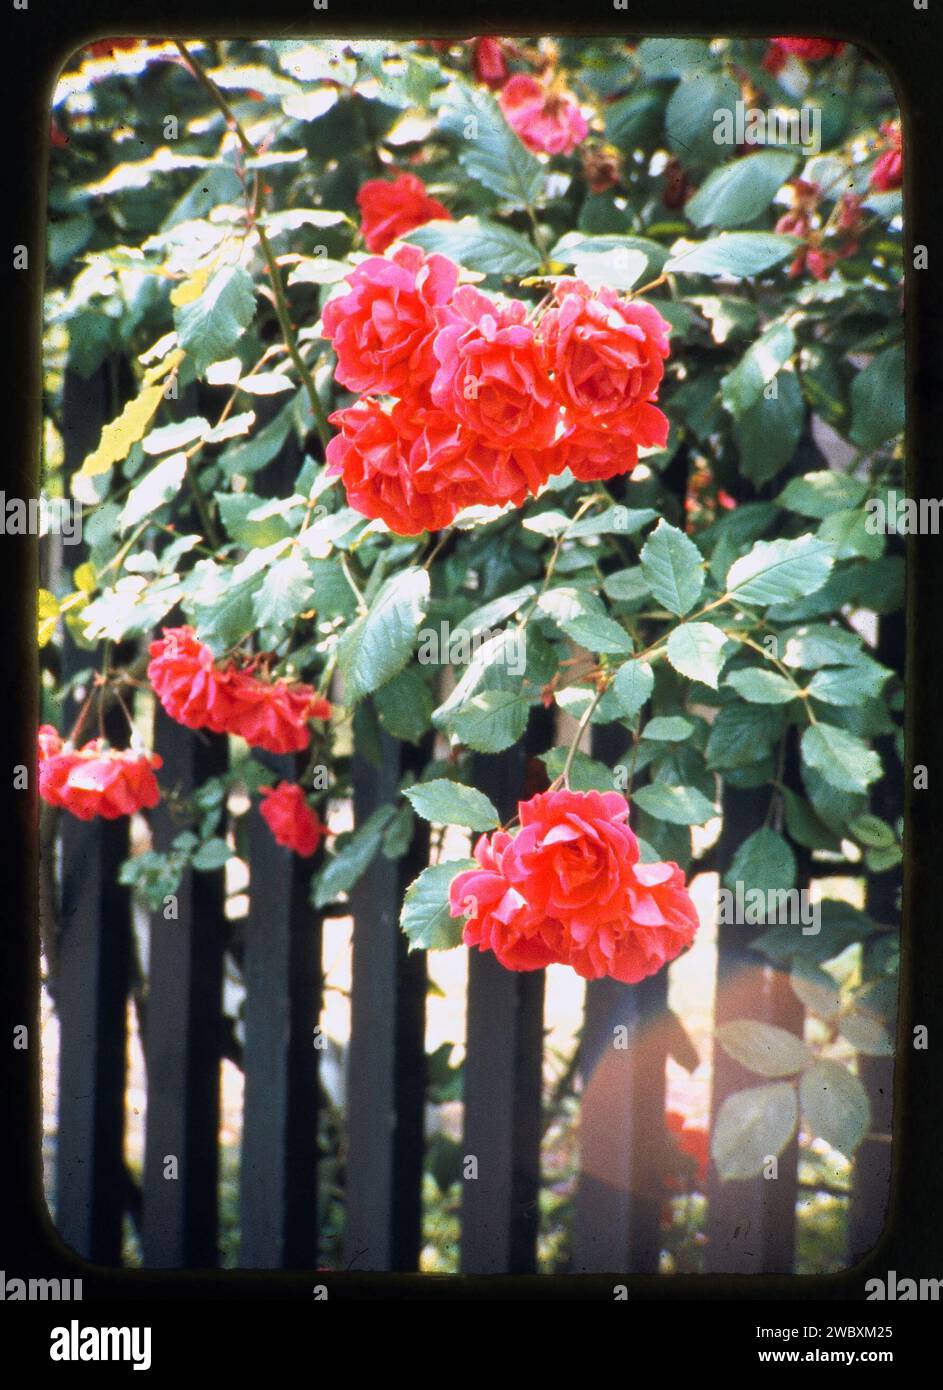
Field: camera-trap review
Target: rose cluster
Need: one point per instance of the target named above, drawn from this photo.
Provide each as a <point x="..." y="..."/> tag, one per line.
<point x="227" y="699"/>
<point x="291" y="820"/>
<point x="569" y="888"/>
<point x="484" y="404"/>
<point x="95" y="780"/>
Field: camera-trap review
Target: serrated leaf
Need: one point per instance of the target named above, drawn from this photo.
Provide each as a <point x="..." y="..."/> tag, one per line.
<point x="677" y="805"/>
<point x="846" y="762"/>
<point x="490" y="721"/>
<point x="479" y="244"/>
<point x="286" y="591"/>
<point x="761" y="687"/>
<point x="633" y="684"/>
<point x="816" y="988"/>
<point x="780" y="571"/>
<point x="694" y="649"/>
<point x="752" y="1126"/>
<point x="673" y="568"/>
<point x="763" y="1048"/>
<point x="158" y="486"/>
<point x="739" y="191"/>
<point x="835" y="1106"/>
<point x="342" y="872"/>
<point x="118" y="437"/>
<point x="452" y="803"/>
<point x="378" y="644"/>
<point x="742" y="387"/>
<point x="764" y="861"/>
<point x="488" y="149"/>
<point x="668" y="729"/>
<point x="425" y="917"/>
<point x="740" y="254"/>
<point x="210" y="326"/>
<point x="822" y="493"/>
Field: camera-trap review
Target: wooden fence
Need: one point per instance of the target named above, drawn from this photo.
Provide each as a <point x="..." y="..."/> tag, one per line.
<point x="751" y="1225"/>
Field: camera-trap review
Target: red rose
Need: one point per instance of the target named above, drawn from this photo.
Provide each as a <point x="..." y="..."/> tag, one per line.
<point x="199" y="694"/>
<point x="593" y="455"/>
<point x="546" y="122"/>
<point x="183" y="672"/>
<point x="274" y="715"/>
<point x="389" y="210"/>
<point x="659" y="921"/>
<point x="290" y="819"/>
<point x="500" y="919"/>
<point x="95" y="780"/>
<point x="569" y="886"/>
<point x="693" y="1142"/>
<point x="382" y="330"/>
<point x="811" y="50"/>
<point x="374" y="454"/>
<point x="888" y="171"/>
<point x="606" y="355"/>
<point x="488" y="62"/>
<point x="490" y="372"/>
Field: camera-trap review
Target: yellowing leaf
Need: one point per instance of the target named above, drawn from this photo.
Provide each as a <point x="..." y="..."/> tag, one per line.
<point x="48" y="616"/>
<point x="170" y="364"/>
<point x="119" y="435"/>
<point x="84" y="578"/>
<point x="191" y="288"/>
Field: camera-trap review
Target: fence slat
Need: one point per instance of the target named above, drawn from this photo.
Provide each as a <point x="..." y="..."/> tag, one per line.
<point x="386" y="1067"/>
<point x="282" y="975"/>
<point x="622" y="1124"/>
<point x="184" y="1033"/>
<point x="92" y="986"/>
<point x="503" y="1070"/>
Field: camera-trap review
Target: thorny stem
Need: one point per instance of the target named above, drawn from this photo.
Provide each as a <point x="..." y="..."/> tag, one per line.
<point x="278" y="291"/>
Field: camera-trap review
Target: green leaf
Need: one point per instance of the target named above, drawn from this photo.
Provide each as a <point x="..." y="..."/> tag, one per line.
<point x="820" y="644"/>
<point x="668" y="729"/>
<point x="677" y="805"/>
<point x="764" y="861"/>
<point x="626" y="586"/>
<point x="488" y="149"/>
<point x="742" y="387"/>
<point x="452" y="803"/>
<point x="692" y="113"/>
<point x="210" y="326"/>
<point x="740" y="254"/>
<point x="633" y="684"/>
<point x="425" y="917"/>
<point x="846" y="762"/>
<point x="479" y="244"/>
<point x="878" y="400"/>
<point x="768" y="431"/>
<point x="849" y="685"/>
<point x="378" y="644"/>
<point x="619" y="269"/>
<point x="491" y="720"/>
<point x="763" y="1048"/>
<point x="577" y="246"/>
<point x="673" y="568"/>
<point x="804" y="825"/>
<point x="212" y="854"/>
<point x="866" y="1035"/>
<point x="739" y="191"/>
<point x="158" y="486"/>
<point x="835" y="1106"/>
<point x="741" y="733"/>
<point x="342" y="872"/>
<point x="598" y="633"/>
<point x="873" y="831"/>
<point x="820" y="494"/>
<point x="177" y="436"/>
<point x="695" y="650"/>
<point x="586" y="774"/>
<point x="236" y="510"/>
<point x="404" y="704"/>
<point x="752" y="1126"/>
<point x="816" y="988"/>
<point x="848" y="535"/>
<point x="286" y="592"/>
<point x="762" y="687"/>
<point x="780" y="571"/>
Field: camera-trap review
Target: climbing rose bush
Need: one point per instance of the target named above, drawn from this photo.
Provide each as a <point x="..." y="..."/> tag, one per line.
<point x="95" y="780"/>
